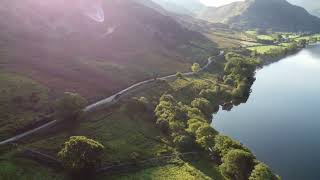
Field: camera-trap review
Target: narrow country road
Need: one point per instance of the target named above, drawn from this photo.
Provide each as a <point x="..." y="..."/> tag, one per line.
<point x="109" y="100"/>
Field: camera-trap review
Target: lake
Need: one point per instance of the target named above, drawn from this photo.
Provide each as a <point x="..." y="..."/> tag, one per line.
<point x="280" y="122"/>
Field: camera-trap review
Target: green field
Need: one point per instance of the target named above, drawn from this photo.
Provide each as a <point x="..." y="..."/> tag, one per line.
<point x="264" y="49"/>
<point x="265" y="37"/>
<point x="252" y="32"/>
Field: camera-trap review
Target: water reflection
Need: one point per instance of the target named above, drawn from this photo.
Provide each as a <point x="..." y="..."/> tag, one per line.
<point x="280" y="121"/>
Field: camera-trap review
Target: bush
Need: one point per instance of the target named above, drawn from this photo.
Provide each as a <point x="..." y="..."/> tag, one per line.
<point x="183" y="142"/>
<point x="224" y="144"/>
<point x="69" y="106"/>
<point x="180" y="75"/>
<point x="194" y="125"/>
<point x="209" y="94"/>
<point x="237" y="165"/>
<point x="205" y="136"/>
<point x="262" y="172"/>
<point x="81" y="155"/>
<point x="204" y="105"/>
<point x="195" y="68"/>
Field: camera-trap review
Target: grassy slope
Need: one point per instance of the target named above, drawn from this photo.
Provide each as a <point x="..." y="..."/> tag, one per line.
<point x="121" y="132"/>
<point x="22" y="100"/>
<point x="185" y="171"/>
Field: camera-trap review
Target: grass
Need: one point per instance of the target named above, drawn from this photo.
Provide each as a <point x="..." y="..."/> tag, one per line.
<point x="265" y="37"/>
<point x="121" y="133"/>
<point x="22" y="100"/>
<point x="252" y="32"/>
<point x="185" y="171"/>
<point x="121" y="129"/>
<point x="264" y="49"/>
<point x="14" y="168"/>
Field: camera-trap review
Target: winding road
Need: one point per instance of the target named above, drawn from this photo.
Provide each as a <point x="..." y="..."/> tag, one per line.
<point x="109" y="100"/>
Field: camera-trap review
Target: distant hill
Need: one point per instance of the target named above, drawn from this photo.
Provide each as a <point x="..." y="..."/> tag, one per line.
<point x="185" y="7"/>
<point x="312" y="6"/>
<point x="278" y="15"/>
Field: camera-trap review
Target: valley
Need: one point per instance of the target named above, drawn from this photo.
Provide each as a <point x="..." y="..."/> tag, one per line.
<point x="143" y="86"/>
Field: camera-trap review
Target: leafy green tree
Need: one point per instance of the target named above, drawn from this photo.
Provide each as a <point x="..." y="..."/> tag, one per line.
<point x="177" y="126"/>
<point x="179" y="75"/>
<point x="168" y="109"/>
<point x="209" y="94"/>
<point x="205" y="136"/>
<point x="204" y="105"/>
<point x="167" y="97"/>
<point x="224" y="144"/>
<point x="195" y="67"/>
<point x="302" y="43"/>
<point x="183" y="142"/>
<point x="81" y="155"/>
<point x="237" y="165"/>
<point x="262" y="172"/>
<point x="69" y="106"/>
<point x="194" y="125"/>
<point x="195" y="113"/>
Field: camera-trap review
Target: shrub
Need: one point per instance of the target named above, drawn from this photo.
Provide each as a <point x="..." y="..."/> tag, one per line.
<point x="81" y="155"/>
<point x="204" y="105"/>
<point x="183" y="142"/>
<point x="237" y="164"/>
<point x="262" y="172"/>
<point x="195" y="68"/>
<point x="69" y="106"/>
<point x="224" y="144"/>
<point x="205" y="136"/>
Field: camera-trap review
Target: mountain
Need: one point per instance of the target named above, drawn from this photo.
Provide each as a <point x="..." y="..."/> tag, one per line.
<point x="92" y="47"/>
<point x="278" y="15"/>
<point x="311" y="5"/>
<point x="185" y="7"/>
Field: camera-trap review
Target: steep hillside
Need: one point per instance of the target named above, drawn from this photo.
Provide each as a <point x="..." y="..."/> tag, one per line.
<point x="278" y="15"/>
<point x="92" y="47"/>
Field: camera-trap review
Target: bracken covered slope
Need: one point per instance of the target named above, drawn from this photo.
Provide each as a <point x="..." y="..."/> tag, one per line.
<point x="92" y="47"/>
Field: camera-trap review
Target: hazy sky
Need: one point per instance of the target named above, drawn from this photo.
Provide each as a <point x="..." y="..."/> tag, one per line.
<point x="217" y="2"/>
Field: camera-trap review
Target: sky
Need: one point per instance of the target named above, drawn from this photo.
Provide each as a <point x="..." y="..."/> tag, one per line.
<point x="217" y="2"/>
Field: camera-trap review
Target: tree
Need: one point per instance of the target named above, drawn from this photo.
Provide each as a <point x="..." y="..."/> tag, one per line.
<point x="224" y="144"/>
<point x="262" y="172"/>
<point x="195" y="67"/>
<point x="302" y="43"/>
<point x="194" y="125"/>
<point x="179" y="75"/>
<point x="204" y="105"/>
<point x="237" y="165"/>
<point x="205" y="136"/>
<point x="69" y="106"/>
<point x="183" y="142"/>
<point x="81" y="155"/>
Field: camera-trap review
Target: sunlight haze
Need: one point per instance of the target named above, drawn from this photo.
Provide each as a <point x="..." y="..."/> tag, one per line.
<point x="217" y="2"/>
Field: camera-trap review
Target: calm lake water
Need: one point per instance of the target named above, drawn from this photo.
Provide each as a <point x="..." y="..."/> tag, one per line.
<point x="280" y="122"/>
